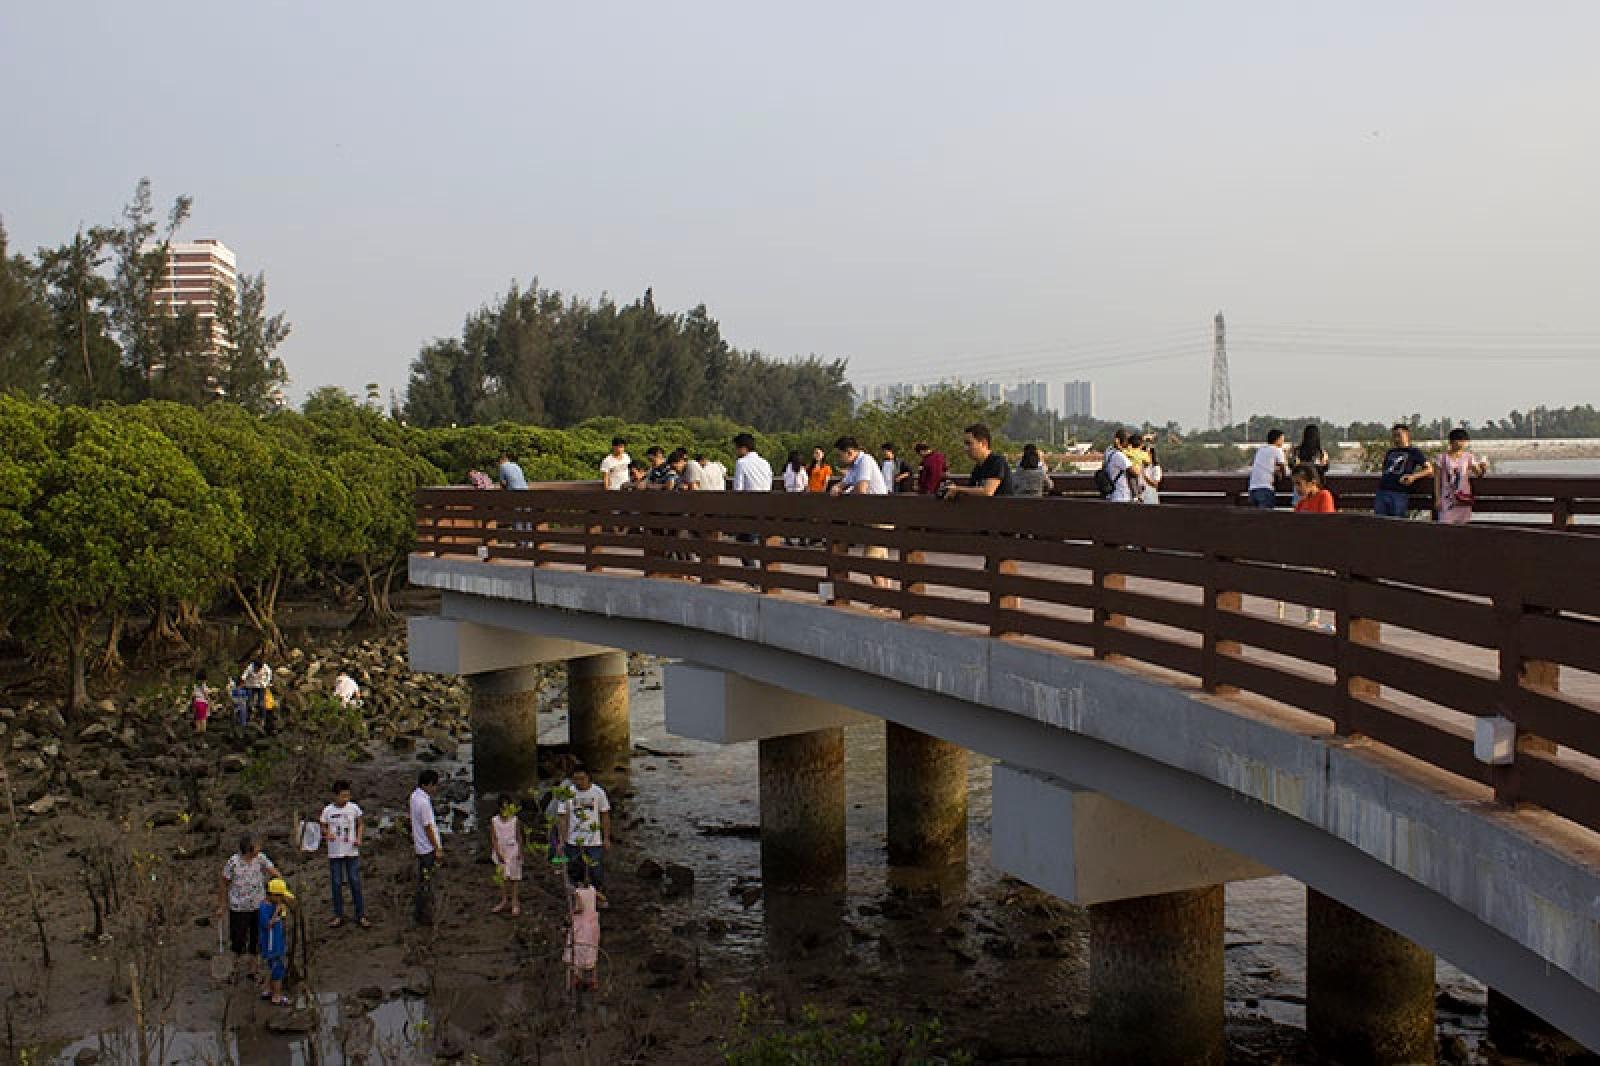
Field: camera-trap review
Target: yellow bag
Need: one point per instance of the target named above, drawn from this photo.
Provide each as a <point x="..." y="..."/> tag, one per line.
<point x="269" y="701"/>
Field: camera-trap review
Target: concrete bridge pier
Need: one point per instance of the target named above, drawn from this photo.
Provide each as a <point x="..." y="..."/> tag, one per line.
<point x="1369" y="990"/>
<point x="1155" y="898"/>
<point x="1516" y="1030"/>
<point x="801" y="767"/>
<point x="501" y="668"/>
<point x="504" y="713"/>
<point x="802" y="812"/>
<point x="927" y="779"/>
<point x="1155" y="978"/>
<point x="597" y="708"/>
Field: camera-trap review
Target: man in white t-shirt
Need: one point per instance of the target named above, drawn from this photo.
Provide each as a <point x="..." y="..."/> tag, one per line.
<point x="862" y="477"/>
<point x="425" y="842"/>
<point x="1266" y="468"/>
<point x="586" y="818"/>
<point x="751" y="473"/>
<point x="342" y="826"/>
<point x="614" y="467"/>
<point x="715" y="475"/>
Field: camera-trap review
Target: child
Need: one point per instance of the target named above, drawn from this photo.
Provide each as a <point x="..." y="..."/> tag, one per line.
<point x="241" y="704"/>
<point x="1311" y="497"/>
<point x="200" y="702"/>
<point x="343" y="825"/>
<point x="274" y="914"/>
<point x="1457" y="468"/>
<point x="505" y="843"/>
<point x="583" y="938"/>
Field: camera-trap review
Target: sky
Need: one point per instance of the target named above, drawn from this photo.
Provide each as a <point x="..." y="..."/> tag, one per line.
<point x="1392" y="203"/>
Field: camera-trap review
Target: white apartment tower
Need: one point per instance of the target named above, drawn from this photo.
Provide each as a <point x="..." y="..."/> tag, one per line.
<point x="195" y="270"/>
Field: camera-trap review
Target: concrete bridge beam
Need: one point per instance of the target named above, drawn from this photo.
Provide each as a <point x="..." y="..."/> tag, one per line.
<point x="438" y="645"/>
<point x="721" y="708"/>
<point x="504" y="711"/>
<point x="1369" y="990"/>
<point x="597" y="708"/>
<point x="1088" y="848"/>
<point x="1155" y="978"/>
<point x="927" y="779"/>
<point x="802" y="812"/>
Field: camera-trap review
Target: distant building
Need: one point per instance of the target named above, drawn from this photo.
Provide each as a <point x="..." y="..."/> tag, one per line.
<point x="195" y="271"/>
<point x="1034" y="394"/>
<point x="1077" y="399"/>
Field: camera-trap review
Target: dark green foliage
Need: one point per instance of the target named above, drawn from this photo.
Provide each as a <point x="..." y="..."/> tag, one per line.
<point x="26" y="331"/>
<point x="536" y="356"/>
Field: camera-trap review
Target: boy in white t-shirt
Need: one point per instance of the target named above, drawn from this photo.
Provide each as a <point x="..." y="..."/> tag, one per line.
<point x="586" y="820"/>
<point x="614" y="467"/>
<point x="342" y="827"/>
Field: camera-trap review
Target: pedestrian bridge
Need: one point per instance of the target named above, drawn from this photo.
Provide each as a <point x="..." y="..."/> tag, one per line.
<point x="1426" y="755"/>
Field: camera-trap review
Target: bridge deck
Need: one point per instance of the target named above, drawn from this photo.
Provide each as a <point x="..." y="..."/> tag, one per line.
<point x="1426" y="628"/>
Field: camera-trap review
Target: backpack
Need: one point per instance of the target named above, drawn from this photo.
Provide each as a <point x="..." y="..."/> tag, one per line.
<point x="1103" y="483"/>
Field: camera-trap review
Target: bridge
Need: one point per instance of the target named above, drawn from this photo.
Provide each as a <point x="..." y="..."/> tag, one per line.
<point x="1403" y="716"/>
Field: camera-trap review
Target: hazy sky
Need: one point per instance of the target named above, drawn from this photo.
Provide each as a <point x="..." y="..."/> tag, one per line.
<point x="1393" y="203"/>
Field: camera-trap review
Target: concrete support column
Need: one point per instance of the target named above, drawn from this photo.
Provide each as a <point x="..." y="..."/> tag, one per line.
<point x="597" y="708"/>
<point x="802" y="812"/>
<point x="1516" y="1030"/>
<point x="927" y="798"/>
<point x="1369" y="990"/>
<point x="505" y="730"/>
<point x="1155" y="978"/>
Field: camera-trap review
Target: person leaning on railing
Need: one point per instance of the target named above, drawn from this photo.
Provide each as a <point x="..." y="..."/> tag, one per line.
<point x="862" y="477"/>
<point x="991" y="474"/>
<point x="751" y="473"/>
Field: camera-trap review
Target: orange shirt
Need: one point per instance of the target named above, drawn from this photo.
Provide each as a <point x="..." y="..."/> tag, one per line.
<point x="819" y="478"/>
<point x="1319" y="502"/>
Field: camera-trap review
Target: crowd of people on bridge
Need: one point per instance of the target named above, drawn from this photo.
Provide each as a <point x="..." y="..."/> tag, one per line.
<point x="1130" y="471"/>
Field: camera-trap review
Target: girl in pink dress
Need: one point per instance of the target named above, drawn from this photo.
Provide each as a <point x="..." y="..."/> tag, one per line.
<point x="583" y="938"/>
<point x="505" y="844"/>
<point x="1457" y="468"/>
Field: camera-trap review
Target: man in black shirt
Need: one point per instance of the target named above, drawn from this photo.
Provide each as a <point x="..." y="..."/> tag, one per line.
<point x="991" y="474"/>
<point x="1403" y="467"/>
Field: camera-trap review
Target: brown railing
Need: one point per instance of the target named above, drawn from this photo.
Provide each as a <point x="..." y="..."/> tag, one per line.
<point x="1429" y="627"/>
<point x="1506" y="499"/>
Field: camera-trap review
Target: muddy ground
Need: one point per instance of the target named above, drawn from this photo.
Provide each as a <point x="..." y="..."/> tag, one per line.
<point x="131" y="817"/>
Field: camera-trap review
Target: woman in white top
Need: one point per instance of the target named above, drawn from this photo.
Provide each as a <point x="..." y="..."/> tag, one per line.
<point x="1150" y="477"/>
<point x="795" y="476"/>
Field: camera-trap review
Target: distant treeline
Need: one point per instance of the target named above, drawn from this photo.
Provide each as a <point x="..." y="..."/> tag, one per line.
<point x="539" y="357"/>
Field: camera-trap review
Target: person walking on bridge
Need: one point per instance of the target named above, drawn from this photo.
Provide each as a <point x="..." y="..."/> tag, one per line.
<point x="751" y="473"/>
<point x="931" y="468"/>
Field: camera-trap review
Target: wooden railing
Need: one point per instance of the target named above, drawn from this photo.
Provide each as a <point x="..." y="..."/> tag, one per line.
<point x="1428" y="628"/>
<point x="1505" y="499"/>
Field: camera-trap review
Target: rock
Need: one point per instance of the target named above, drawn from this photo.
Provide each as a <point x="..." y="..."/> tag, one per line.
<point x="86" y="1057"/>
<point x="1453" y="1050"/>
<point x="716" y="927"/>
<point x="240" y="801"/>
<point x="106" y="706"/>
<point x="93" y="732"/>
<point x="750" y="896"/>
<point x="650" y="870"/>
<point x="232" y="764"/>
<point x="299" y="1020"/>
<point x="162" y="819"/>
<point x="679" y="876"/>
<point x="1455" y="1004"/>
<point x="42" y="805"/>
<point x="665" y="962"/>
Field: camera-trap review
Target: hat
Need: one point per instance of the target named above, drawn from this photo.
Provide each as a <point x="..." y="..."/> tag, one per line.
<point x="279" y="887"/>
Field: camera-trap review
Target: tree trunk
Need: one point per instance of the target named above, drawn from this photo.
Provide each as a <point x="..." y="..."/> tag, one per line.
<point x="258" y="610"/>
<point x="111" y="655"/>
<point x="77" y="634"/>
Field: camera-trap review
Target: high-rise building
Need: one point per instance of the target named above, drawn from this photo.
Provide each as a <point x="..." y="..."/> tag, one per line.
<point x="1034" y="394"/>
<point x="1077" y="399"/>
<point x="195" y="271"/>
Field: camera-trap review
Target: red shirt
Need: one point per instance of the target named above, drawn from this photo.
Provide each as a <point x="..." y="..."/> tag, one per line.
<point x="1319" y="502"/>
<point x="930" y="474"/>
